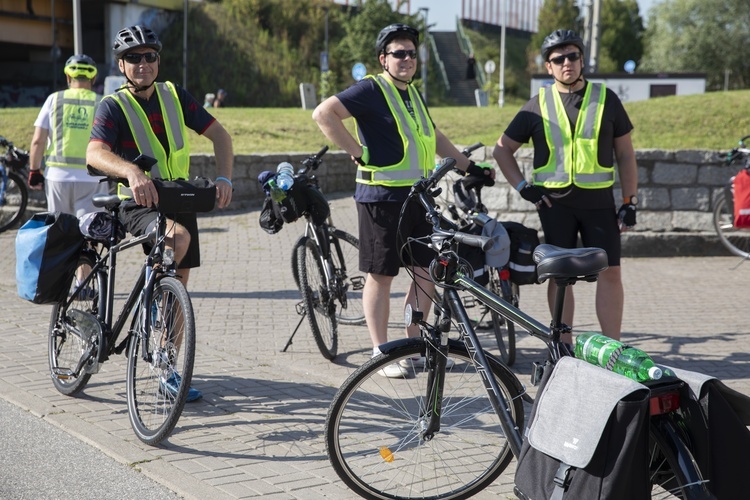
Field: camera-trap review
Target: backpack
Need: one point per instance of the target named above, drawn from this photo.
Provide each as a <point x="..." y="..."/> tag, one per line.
<point x="741" y="185"/>
<point x="47" y="250"/>
<point x="523" y="241"/>
<point x="584" y="442"/>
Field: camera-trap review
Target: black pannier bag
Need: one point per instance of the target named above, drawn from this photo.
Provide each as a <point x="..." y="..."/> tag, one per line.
<point x="47" y="250"/>
<point x="523" y="241"/>
<point x="474" y="256"/>
<point x="301" y="199"/>
<point x="179" y="196"/>
<point x="587" y="438"/>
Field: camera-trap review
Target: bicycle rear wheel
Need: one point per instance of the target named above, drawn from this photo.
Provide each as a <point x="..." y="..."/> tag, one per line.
<point x="75" y="331"/>
<point x="154" y="406"/>
<point x="734" y="239"/>
<point x="374" y="423"/>
<point x="14" y="197"/>
<point x="505" y="330"/>
<point x="345" y="259"/>
<point x="320" y="305"/>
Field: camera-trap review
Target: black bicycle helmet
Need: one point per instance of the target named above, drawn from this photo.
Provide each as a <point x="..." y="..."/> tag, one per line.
<point x="558" y="38"/>
<point x="134" y="37"/>
<point x="392" y="31"/>
<point x="80" y="66"/>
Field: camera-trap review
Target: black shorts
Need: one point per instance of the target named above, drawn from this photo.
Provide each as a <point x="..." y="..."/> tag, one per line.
<point x="598" y="228"/>
<point x="380" y="244"/>
<point x="140" y="220"/>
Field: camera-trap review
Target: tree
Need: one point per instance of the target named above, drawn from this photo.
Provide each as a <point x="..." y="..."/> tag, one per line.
<point x="621" y="34"/>
<point x="555" y="15"/>
<point x="706" y="36"/>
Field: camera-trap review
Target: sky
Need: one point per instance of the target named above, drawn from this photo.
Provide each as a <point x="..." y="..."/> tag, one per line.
<point x="443" y="13"/>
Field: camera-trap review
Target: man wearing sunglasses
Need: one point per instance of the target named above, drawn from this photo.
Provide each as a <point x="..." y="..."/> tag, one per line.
<point x="151" y="118"/>
<point x="578" y="129"/>
<point x="61" y="132"/>
<point x="395" y="145"/>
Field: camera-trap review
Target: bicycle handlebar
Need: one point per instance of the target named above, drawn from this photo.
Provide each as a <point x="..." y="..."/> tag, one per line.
<point x="736" y="153"/>
<point x="313" y="161"/>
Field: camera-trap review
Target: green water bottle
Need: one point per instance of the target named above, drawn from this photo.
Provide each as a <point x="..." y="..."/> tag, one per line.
<point x="633" y="363"/>
<point x="277" y="194"/>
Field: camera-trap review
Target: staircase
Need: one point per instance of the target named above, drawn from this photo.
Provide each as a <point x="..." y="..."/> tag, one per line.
<point x="454" y="60"/>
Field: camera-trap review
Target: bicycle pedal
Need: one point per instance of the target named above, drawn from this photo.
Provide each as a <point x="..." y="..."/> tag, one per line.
<point x="469" y="301"/>
<point x="537" y="372"/>
<point x="300" y="308"/>
<point x="63" y="373"/>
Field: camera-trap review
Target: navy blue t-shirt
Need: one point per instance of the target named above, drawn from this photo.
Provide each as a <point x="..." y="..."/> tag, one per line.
<point x="366" y="103"/>
<point x="111" y="127"/>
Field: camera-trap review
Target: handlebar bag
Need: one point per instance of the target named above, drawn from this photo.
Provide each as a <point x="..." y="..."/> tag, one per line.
<point x="268" y="219"/>
<point x="180" y="196"/>
<point x="302" y="199"/>
<point x="742" y="200"/>
<point x="523" y="241"/>
<point x="47" y="249"/>
<point x="474" y="256"/>
<point x="588" y="437"/>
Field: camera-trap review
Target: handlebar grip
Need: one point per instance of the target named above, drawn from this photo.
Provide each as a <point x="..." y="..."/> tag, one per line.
<point x="322" y="151"/>
<point x="445" y="166"/>
<point x="468" y="149"/>
<point x="474" y="240"/>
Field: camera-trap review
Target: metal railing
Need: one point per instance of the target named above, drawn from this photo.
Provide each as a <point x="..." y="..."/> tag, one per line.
<point x="438" y="62"/>
<point x="466" y="47"/>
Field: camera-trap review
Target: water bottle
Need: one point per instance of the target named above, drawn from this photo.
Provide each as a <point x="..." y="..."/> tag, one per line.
<point x="285" y="175"/>
<point x="277" y="194"/>
<point x="631" y="362"/>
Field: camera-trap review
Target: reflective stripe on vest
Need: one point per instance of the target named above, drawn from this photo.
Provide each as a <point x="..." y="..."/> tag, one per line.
<point x="573" y="157"/>
<point x="176" y="165"/>
<point x="71" y="117"/>
<point x="417" y="136"/>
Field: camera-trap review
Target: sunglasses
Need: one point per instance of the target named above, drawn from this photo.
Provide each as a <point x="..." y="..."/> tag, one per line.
<point x="401" y="54"/>
<point x="132" y="58"/>
<point x="560" y="60"/>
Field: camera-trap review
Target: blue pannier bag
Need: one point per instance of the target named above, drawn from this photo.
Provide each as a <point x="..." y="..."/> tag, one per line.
<point x="47" y="250"/>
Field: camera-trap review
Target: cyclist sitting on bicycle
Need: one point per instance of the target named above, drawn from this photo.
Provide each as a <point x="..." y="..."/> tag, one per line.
<point x="150" y="118"/>
<point x="390" y="116"/>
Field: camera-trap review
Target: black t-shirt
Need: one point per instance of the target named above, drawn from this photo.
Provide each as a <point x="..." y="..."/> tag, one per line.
<point x="528" y="125"/>
<point x="367" y="104"/>
<point x="111" y="127"/>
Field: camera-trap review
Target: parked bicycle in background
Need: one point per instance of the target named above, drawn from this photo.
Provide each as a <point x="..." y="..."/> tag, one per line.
<point x="732" y="206"/>
<point x="14" y="194"/>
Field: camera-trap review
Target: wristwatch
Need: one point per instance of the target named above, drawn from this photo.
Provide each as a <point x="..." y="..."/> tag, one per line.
<point x="633" y="200"/>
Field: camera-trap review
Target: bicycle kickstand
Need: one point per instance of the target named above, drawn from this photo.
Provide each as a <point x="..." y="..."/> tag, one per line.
<point x="302" y="312"/>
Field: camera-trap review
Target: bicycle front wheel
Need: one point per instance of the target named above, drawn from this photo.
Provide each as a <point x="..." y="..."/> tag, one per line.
<point x="374" y="424"/>
<point x="14" y="197"/>
<point x="736" y="240"/>
<point x="320" y="304"/>
<point x="74" y="331"/>
<point x="505" y="330"/>
<point x="160" y="361"/>
<point x="351" y="281"/>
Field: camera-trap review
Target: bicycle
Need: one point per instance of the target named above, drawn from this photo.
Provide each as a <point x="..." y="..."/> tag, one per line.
<point x="325" y="266"/>
<point x="453" y="431"/>
<point x="735" y="239"/>
<point x="467" y="193"/>
<point x="160" y="341"/>
<point x="14" y="195"/>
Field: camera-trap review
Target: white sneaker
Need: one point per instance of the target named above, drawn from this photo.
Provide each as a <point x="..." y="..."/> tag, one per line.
<point x="420" y="361"/>
<point x="393" y="371"/>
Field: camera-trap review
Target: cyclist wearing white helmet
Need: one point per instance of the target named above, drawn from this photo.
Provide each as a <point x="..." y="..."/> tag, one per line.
<point x="61" y="132"/>
<point x="395" y="145"/>
<point x="578" y="129"/>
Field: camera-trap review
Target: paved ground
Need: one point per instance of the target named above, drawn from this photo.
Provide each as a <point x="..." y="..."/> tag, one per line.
<point x="258" y="431"/>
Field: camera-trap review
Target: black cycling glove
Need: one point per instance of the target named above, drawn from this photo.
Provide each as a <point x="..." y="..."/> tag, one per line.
<point x="36" y="178"/>
<point x="532" y="193"/>
<point x="626" y="214"/>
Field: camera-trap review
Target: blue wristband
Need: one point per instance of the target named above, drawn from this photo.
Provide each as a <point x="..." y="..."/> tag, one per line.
<point x="521" y="185"/>
<point x="225" y="180"/>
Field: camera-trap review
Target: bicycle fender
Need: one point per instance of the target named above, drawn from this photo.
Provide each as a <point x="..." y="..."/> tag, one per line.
<point x="453" y="345"/>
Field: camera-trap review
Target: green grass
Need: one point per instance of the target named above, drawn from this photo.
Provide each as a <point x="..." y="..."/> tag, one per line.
<point x="712" y="121"/>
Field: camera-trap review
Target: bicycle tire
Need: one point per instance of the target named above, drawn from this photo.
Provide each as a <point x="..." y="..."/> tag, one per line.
<point x="345" y="259"/>
<point x="74" y="330"/>
<point x="736" y="240"/>
<point x="505" y="330"/>
<point x="13" y="202"/>
<point x="373" y="424"/>
<point x="673" y="470"/>
<point x="319" y="305"/>
<point x="295" y="268"/>
<point x="152" y="408"/>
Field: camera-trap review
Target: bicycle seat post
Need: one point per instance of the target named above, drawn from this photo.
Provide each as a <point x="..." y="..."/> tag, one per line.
<point x="557" y="325"/>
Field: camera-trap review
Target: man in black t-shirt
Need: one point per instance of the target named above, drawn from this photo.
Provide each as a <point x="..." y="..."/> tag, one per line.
<point x="575" y="127"/>
<point x="396" y="144"/>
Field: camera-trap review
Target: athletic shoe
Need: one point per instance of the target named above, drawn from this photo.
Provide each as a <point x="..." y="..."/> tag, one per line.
<point x="393" y="371"/>
<point x="419" y="362"/>
<point x="172" y="386"/>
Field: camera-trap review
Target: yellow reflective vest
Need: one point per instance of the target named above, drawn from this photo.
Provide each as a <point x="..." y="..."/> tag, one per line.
<point x="175" y="165"/>
<point x="417" y="136"/>
<point x="71" y="117"/>
<point x="573" y="158"/>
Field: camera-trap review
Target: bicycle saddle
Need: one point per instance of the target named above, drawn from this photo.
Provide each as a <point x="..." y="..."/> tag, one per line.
<point x="576" y="263"/>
